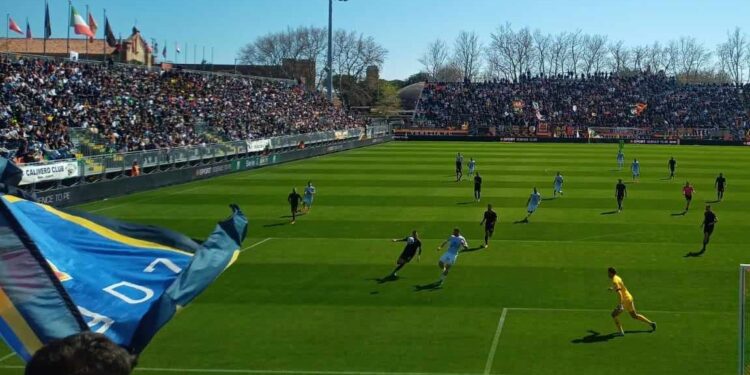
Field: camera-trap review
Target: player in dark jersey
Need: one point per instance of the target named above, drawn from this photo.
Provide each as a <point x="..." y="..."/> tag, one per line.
<point x="413" y="247"/>
<point x="477" y="187"/>
<point x="620" y="193"/>
<point x="459" y="166"/>
<point x="721" y="184"/>
<point x="294" y="198"/>
<point x="709" y="222"/>
<point x="489" y="220"/>
<point x="671" y="164"/>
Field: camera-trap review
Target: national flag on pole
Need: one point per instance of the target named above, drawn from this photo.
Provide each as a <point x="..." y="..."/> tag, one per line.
<point x="93" y="26"/>
<point x="108" y="34"/>
<point x="13" y="26"/>
<point x="47" y="24"/>
<point x="63" y="273"/>
<point x="79" y="24"/>
<point x="164" y="52"/>
<point x="177" y="47"/>
<point x="28" y="30"/>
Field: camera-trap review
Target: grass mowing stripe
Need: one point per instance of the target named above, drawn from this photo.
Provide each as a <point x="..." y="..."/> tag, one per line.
<point x="495" y="341"/>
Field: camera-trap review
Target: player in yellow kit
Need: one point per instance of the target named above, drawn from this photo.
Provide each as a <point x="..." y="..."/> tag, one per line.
<point x="626" y="303"/>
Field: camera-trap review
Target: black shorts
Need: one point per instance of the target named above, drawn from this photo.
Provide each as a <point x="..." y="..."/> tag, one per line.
<point x="459" y="167"/>
<point x="720" y="188"/>
<point x="688" y="198"/>
<point x="620" y="198"/>
<point x="708" y="229"/>
<point x="406" y="256"/>
<point x="489" y="228"/>
<point x="477" y="187"/>
<point x="294" y="207"/>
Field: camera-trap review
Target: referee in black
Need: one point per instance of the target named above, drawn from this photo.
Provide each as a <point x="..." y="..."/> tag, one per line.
<point x="294" y="198"/>
<point x="620" y="193"/>
<point x="477" y="187"/>
<point x="413" y="247"/>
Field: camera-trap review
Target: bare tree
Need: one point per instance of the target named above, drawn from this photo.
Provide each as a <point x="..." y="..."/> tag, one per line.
<point x="468" y="54"/>
<point x="693" y="56"/>
<point x="575" y="47"/>
<point x="638" y="54"/>
<point x="670" y="57"/>
<point x="619" y="56"/>
<point x="732" y="55"/>
<point x="559" y="53"/>
<point x="653" y="60"/>
<point x="435" y="57"/>
<point x="510" y="54"/>
<point x="594" y="53"/>
<point x="542" y="43"/>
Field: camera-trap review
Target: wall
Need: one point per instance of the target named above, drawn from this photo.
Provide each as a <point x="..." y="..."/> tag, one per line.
<point x="457" y="138"/>
<point x="79" y="194"/>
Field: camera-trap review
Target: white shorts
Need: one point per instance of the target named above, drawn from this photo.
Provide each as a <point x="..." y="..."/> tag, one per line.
<point x="449" y="259"/>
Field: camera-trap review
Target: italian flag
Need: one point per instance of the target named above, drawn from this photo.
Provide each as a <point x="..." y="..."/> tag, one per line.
<point x="79" y="24"/>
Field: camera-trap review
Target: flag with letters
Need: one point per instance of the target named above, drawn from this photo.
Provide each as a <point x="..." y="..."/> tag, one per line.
<point x="62" y="273"/>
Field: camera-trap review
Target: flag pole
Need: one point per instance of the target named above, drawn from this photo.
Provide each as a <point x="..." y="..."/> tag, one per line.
<point x="67" y="39"/>
<point x="27" y="37"/>
<point x="7" y="24"/>
<point x="187" y="51"/>
<point x="46" y="12"/>
<point x="104" y="37"/>
<point x="195" y="49"/>
<point x="87" y="40"/>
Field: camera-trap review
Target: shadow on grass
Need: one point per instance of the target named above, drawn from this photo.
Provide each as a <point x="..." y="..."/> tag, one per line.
<point x="683" y="213"/>
<point x="524" y="221"/>
<point x="595" y="337"/>
<point x="472" y="249"/>
<point x="615" y="170"/>
<point x="609" y="212"/>
<point x="290" y="216"/>
<point x="464" y="203"/>
<point x="549" y="199"/>
<point x="713" y="201"/>
<point x="666" y="178"/>
<point x="276" y="224"/>
<point x="387" y="279"/>
<point x="428" y="287"/>
<point x="696" y="254"/>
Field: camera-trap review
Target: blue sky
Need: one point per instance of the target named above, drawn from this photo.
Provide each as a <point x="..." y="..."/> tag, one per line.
<point x="404" y="27"/>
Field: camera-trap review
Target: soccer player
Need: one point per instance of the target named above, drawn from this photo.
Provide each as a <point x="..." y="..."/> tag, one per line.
<point x="620" y="193"/>
<point x="625" y="303"/>
<point x="558" y="185"/>
<point x="293" y="200"/>
<point x="459" y="167"/>
<point x="721" y="184"/>
<point x="636" y="169"/>
<point x="709" y="221"/>
<point x="477" y="187"/>
<point x="489" y="220"/>
<point x="413" y="247"/>
<point x="671" y="164"/>
<point x="688" y="191"/>
<point x="535" y="199"/>
<point x="309" y="196"/>
<point x="472" y="166"/>
<point x="620" y="159"/>
<point x="456" y="242"/>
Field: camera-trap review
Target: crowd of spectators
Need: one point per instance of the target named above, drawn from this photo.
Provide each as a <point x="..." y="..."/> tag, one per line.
<point x="131" y="108"/>
<point x="650" y="101"/>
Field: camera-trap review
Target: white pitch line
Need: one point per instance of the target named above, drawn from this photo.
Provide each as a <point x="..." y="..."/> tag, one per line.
<point x="7" y="356"/>
<point x="290" y="372"/>
<point x="256" y="244"/>
<point x="495" y="341"/>
<point x="607" y="310"/>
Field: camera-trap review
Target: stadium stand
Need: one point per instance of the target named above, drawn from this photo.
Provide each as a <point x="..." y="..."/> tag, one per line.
<point x="132" y="108"/>
<point x="653" y="102"/>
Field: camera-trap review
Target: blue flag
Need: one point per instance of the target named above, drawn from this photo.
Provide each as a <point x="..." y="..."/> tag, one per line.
<point x="64" y="273"/>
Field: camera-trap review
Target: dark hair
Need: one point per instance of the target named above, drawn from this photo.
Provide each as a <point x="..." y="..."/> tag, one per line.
<point x="612" y="270"/>
<point x="85" y="353"/>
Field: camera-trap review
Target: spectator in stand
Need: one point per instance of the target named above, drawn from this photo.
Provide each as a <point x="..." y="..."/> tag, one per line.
<point x="135" y="170"/>
<point x="85" y="353"/>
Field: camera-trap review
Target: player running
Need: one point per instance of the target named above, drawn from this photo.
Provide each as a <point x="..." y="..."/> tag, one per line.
<point x="558" y="185"/>
<point x="489" y="220"/>
<point x="625" y="303"/>
<point x="293" y="200"/>
<point x="477" y="187"/>
<point x="709" y="222"/>
<point x="535" y="199"/>
<point x="620" y="160"/>
<point x="721" y="184"/>
<point x="456" y="242"/>
<point x="635" y="168"/>
<point x="309" y="196"/>
<point x="621" y="191"/>
<point x="671" y="164"/>
<point x="688" y="191"/>
<point x="459" y="167"/>
<point x="472" y="166"/>
<point x="413" y="247"/>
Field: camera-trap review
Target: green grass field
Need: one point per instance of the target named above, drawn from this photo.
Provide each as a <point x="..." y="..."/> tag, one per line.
<point x="304" y="298"/>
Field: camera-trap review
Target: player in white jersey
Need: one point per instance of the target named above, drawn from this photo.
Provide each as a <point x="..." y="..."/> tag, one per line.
<point x="307" y="200"/>
<point x="456" y="242"/>
<point x="620" y="159"/>
<point x="535" y="199"/>
<point x="636" y="169"/>
<point x="472" y="166"/>
<point x="558" y="185"/>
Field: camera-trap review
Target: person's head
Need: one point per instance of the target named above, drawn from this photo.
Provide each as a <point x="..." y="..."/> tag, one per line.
<point x="489" y="207"/>
<point x="721" y="175"/>
<point x="635" y="160"/>
<point x="477" y="173"/>
<point x="135" y="162"/>
<point x="86" y="353"/>
<point x="558" y="173"/>
<point x="472" y="159"/>
<point x="671" y="158"/>
<point x="309" y="183"/>
<point x="619" y="180"/>
<point x="611" y="271"/>
<point x="294" y="190"/>
<point x="535" y="191"/>
<point x="414" y="233"/>
<point x="708" y="208"/>
<point x="456" y="231"/>
<point x="687" y="183"/>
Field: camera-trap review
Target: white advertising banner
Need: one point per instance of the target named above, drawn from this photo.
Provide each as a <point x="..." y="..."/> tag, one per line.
<point x="257" y="146"/>
<point x="49" y="172"/>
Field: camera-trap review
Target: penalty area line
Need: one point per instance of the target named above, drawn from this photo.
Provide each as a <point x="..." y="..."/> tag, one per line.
<point x="7" y="356"/>
<point x="257" y="244"/>
<point x="495" y="341"/>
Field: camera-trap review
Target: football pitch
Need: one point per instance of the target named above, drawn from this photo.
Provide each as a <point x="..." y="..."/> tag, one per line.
<point x="307" y="299"/>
